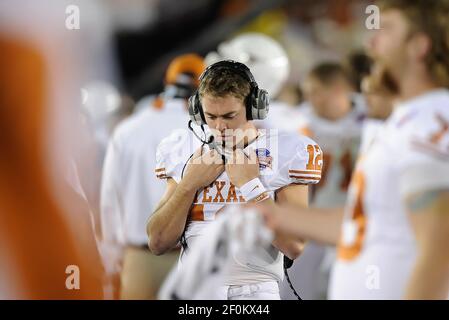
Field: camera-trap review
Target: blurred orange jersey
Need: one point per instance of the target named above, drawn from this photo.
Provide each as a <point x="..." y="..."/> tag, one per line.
<point x="42" y="243"/>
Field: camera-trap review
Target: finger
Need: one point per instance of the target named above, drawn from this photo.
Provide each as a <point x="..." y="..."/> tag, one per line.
<point x="232" y="158"/>
<point x="211" y="157"/>
<point x="240" y="156"/>
<point x="270" y="215"/>
<point x="220" y="169"/>
<point x="252" y="157"/>
<point x="198" y="152"/>
<point x="196" y="157"/>
<point x="216" y="157"/>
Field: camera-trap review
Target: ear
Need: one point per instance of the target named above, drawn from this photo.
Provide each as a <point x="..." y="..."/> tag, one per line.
<point x="420" y="46"/>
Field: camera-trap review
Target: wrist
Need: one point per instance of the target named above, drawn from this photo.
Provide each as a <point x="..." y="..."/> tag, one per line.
<point x="187" y="188"/>
<point x="254" y="191"/>
<point x="241" y="184"/>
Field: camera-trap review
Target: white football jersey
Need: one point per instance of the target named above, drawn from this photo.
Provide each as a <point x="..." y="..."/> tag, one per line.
<point x="340" y="142"/>
<point x="284" y="159"/>
<point x="409" y="154"/>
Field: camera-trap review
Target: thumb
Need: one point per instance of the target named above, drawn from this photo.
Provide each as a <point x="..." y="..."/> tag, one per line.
<point x="196" y="156"/>
<point x="198" y="152"/>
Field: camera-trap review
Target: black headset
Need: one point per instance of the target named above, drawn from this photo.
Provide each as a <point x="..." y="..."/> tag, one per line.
<point x="256" y="103"/>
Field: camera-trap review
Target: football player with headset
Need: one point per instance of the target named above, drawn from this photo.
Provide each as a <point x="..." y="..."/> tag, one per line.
<point x="237" y="164"/>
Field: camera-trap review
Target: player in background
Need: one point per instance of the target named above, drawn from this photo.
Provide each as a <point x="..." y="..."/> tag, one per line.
<point x="130" y="191"/>
<point x="332" y="115"/>
<point x="393" y="234"/>
<point x="259" y="166"/>
<point x="270" y="66"/>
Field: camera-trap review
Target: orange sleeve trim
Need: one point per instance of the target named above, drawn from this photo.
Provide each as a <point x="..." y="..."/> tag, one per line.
<point x="315" y="172"/>
<point x="305" y="178"/>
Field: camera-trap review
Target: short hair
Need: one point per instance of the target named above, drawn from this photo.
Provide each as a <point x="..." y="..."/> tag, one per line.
<point x="222" y="82"/>
<point x="328" y="72"/>
<point x="358" y="65"/>
<point x="430" y="18"/>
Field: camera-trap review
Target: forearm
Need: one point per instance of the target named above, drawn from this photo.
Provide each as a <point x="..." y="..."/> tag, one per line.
<point x="430" y="221"/>
<point x="167" y="223"/>
<point x="315" y="224"/>
<point x="430" y="277"/>
<point x="289" y="245"/>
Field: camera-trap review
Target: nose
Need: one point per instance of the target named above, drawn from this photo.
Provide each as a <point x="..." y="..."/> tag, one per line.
<point x="220" y="125"/>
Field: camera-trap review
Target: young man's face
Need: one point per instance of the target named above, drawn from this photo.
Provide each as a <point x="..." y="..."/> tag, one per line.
<point x="389" y="44"/>
<point x="226" y="116"/>
<point x="323" y="97"/>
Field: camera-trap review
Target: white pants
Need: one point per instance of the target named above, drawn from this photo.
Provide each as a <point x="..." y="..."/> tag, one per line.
<point x="255" y="291"/>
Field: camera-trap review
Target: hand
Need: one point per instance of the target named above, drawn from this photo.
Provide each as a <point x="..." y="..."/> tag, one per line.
<point x="279" y="219"/>
<point x="202" y="169"/>
<point x="241" y="168"/>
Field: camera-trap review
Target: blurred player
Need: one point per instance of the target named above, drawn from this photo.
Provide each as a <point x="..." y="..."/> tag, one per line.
<point x="395" y="220"/>
<point x="270" y="65"/>
<point x="130" y="191"/>
<point x="237" y="164"/>
<point x="45" y="225"/>
<point x="333" y="116"/>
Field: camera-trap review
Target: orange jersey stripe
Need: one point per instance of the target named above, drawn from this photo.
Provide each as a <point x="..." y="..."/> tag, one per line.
<point x="197" y="212"/>
<point x="315" y="172"/>
<point x="305" y="178"/>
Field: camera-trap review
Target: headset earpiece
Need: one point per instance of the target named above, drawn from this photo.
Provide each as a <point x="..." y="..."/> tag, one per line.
<point x="196" y="110"/>
<point x="260" y="111"/>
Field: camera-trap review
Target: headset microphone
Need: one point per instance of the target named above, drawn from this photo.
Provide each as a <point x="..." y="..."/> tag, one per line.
<point x="208" y="141"/>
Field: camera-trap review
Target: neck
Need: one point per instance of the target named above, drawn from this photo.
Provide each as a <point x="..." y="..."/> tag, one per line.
<point x="415" y="84"/>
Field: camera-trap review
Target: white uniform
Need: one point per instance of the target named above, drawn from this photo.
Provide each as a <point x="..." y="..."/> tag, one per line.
<point x="340" y="142"/>
<point x="410" y="154"/>
<point x="130" y="191"/>
<point x="238" y="232"/>
<point x="284" y="159"/>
